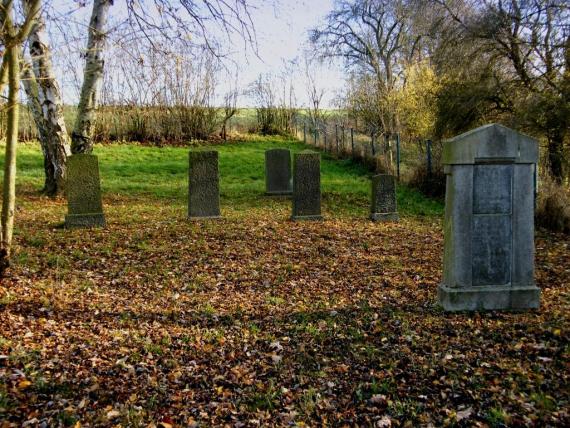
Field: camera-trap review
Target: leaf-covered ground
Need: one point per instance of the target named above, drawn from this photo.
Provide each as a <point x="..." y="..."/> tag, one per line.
<point x="254" y="320"/>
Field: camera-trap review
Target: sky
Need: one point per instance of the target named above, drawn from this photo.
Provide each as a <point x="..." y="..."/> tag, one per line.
<point x="282" y="33"/>
<point x="281" y="26"/>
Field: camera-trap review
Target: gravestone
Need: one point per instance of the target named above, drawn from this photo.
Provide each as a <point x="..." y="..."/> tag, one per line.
<point x="203" y="185"/>
<point x="488" y="260"/>
<point x="383" y="206"/>
<point x="307" y="186"/>
<point x="278" y="172"/>
<point x="84" y="205"/>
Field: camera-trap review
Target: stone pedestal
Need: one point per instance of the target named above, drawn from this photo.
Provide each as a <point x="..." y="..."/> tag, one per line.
<point x="84" y="205"/>
<point x="203" y="185"/>
<point x="383" y="205"/>
<point x="488" y="258"/>
<point x="307" y="186"/>
<point x="278" y="172"/>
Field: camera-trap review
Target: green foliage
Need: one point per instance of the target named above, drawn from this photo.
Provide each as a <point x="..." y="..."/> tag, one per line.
<point x="497" y="417"/>
<point x="264" y="398"/>
<point x="464" y="101"/>
<point x="416" y="102"/>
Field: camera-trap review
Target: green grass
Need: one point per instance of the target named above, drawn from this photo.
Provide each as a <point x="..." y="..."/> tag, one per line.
<point x="133" y="170"/>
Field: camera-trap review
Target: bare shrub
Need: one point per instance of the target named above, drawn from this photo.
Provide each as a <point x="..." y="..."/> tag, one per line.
<point x="429" y="184"/>
<point x="275" y="109"/>
<point x="553" y="206"/>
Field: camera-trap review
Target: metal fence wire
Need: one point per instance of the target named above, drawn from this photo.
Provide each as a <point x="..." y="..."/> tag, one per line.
<point x="384" y="152"/>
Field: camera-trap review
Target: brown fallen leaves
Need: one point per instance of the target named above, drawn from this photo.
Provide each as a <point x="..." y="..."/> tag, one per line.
<point x="254" y="320"/>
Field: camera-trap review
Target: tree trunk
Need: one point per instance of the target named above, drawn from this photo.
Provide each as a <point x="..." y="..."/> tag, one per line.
<point x="556" y="156"/>
<point x="3" y="74"/>
<point x="9" y="190"/>
<point x="49" y="117"/>
<point x="82" y="135"/>
<point x="12" y="37"/>
<point x="31" y="89"/>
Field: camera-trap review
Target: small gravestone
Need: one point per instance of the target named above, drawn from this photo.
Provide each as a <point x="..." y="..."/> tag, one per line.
<point x="307" y="186"/>
<point x="203" y="185"/>
<point x="488" y="260"/>
<point x="84" y="206"/>
<point x="278" y="172"/>
<point x="383" y="206"/>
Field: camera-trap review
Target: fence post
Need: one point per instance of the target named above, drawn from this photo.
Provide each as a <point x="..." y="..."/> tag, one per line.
<point x="325" y="138"/>
<point x="305" y="132"/>
<point x="352" y="142"/>
<point x="372" y="144"/>
<point x="428" y="142"/>
<point x="315" y="137"/>
<point x="342" y="139"/>
<point x="398" y="155"/>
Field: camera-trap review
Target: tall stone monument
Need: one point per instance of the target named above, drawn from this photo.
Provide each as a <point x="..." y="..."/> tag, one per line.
<point x="278" y="172"/>
<point x="84" y="205"/>
<point x="383" y="207"/>
<point x="488" y="260"/>
<point x="307" y="186"/>
<point x="203" y="185"/>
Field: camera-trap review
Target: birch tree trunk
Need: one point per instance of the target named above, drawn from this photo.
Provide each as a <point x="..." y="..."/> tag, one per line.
<point x="82" y="135"/>
<point x="3" y="73"/>
<point x="31" y="88"/>
<point x="9" y="189"/>
<point x="49" y="117"/>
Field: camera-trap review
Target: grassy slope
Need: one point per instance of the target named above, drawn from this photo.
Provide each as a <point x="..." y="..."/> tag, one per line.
<point x="133" y="170"/>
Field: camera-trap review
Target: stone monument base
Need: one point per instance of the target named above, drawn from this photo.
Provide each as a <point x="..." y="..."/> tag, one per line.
<point x="84" y="220"/>
<point x="279" y="193"/>
<point x="205" y="217"/>
<point x="381" y="217"/>
<point x="306" y="217"/>
<point x="497" y="297"/>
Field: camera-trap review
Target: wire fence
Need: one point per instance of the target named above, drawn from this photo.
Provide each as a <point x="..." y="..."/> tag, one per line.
<point x="386" y="153"/>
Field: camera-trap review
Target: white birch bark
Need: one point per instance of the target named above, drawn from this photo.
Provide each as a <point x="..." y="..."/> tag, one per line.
<point x="31" y="89"/>
<point x="49" y="119"/>
<point x="82" y="135"/>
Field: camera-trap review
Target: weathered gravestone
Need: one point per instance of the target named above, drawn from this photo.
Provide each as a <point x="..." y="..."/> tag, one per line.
<point x="278" y="172"/>
<point x="307" y="186"/>
<point x="489" y="221"/>
<point x="84" y="206"/>
<point x="203" y="185"/>
<point x="383" y="206"/>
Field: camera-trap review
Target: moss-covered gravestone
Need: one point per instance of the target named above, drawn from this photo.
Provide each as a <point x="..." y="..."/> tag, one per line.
<point x="488" y="260"/>
<point x="307" y="186"/>
<point x="203" y="185"/>
<point x="383" y="207"/>
<point x="278" y="172"/>
<point x="84" y="206"/>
